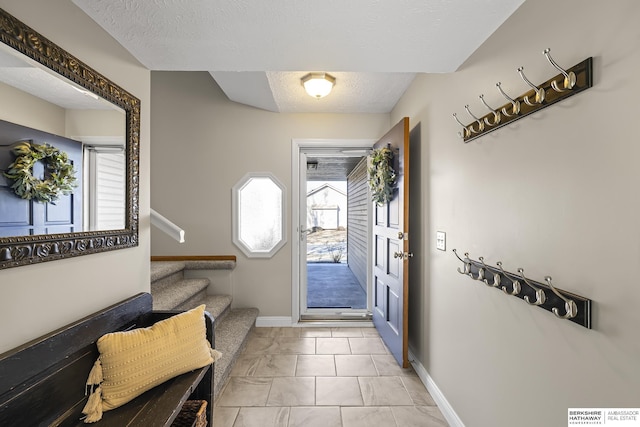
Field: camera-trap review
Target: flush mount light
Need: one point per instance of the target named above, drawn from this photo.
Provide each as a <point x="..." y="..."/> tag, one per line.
<point x="318" y="85"/>
<point x="86" y="93"/>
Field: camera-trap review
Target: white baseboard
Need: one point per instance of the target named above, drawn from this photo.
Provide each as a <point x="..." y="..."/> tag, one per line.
<point x="274" y="321"/>
<point x="334" y="324"/>
<point x="442" y="402"/>
<point x="287" y="322"/>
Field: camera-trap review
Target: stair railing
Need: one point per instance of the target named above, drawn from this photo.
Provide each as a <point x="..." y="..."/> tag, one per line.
<point x="167" y="226"/>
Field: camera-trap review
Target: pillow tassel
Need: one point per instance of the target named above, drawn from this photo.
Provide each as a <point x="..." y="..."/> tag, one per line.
<point x="216" y="355"/>
<point x="95" y="376"/>
<point x="93" y="408"/>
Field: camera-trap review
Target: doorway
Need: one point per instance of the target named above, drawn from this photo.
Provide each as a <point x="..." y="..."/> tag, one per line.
<point x="387" y="249"/>
<point x="331" y="257"/>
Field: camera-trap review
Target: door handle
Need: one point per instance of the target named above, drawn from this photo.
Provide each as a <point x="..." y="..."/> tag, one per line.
<point x="303" y="233"/>
<point x="403" y="255"/>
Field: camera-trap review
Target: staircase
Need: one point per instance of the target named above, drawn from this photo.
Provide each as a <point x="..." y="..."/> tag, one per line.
<point x="172" y="291"/>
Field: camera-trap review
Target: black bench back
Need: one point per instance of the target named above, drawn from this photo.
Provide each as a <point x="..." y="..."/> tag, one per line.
<point x="42" y="380"/>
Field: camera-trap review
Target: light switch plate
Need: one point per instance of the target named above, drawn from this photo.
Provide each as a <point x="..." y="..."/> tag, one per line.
<point x="441" y="240"/>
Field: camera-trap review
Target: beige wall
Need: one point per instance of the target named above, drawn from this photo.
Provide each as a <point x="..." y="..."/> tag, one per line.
<point x="555" y="193"/>
<point x="202" y="145"/>
<point x="27" y="110"/>
<point x="95" y="123"/>
<point x="37" y="299"/>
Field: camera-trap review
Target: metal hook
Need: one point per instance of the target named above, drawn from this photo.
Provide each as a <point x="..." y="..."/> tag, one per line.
<point x="480" y="272"/>
<point x="467" y="263"/>
<point x="538" y="91"/>
<point x="480" y="122"/>
<point x="515" y="284"/>
<point x="496" y="114"/>
<point x="540" y="296"/>
<point x="515" y="105"/>
<point x="496" y="276"/>
<point x="569" y="78"/>
<point x="465" y="133"/>
<point x="570" y="306"/>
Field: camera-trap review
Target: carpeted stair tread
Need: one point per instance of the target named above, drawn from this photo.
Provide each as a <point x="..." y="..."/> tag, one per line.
<point x="231" y="337"/>
<point x="171" y="291"/>
<point x="162" y="269"/>
<point x="210" y="265"/>
<point x="170" y="298"/>
<point x="218" y="306"/>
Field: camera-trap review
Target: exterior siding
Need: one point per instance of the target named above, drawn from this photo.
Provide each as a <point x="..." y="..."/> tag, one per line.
<point x="358" y="221"/>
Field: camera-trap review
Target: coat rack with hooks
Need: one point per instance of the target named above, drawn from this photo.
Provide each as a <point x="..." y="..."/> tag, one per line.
<point x="563" y="304"/>
<point x="561" y="86"/>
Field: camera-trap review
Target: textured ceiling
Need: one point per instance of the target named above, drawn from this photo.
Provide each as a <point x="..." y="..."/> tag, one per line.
<point x="258" y="50"/>
<point x="353" y="93"/>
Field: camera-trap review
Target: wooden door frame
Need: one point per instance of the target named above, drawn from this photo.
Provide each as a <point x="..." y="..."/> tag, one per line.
<point x="297" y="145"/>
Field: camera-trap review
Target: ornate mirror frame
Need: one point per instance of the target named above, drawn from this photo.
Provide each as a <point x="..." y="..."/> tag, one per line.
<point x="25" y="250"/>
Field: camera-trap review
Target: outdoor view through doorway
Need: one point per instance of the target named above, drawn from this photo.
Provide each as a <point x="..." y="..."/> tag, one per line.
<point x="333" y="210"/>
<point x="377" y="235"/>
<point x="331" y="284"/>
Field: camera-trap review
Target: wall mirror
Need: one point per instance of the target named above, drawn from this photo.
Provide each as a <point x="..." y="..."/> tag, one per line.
<point x="46" y="93"/>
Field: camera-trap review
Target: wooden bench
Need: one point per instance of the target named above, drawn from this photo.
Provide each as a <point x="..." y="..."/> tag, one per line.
<point x="42" y="383"/>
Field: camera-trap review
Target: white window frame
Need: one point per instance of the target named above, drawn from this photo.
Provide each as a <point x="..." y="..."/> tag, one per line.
<point x="91" y="146"/>
<point x="236" y="212"/>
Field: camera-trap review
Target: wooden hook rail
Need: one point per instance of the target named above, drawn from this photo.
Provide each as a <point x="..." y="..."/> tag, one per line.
<point x="561" y="86"/>
<point x="563" y="304"/>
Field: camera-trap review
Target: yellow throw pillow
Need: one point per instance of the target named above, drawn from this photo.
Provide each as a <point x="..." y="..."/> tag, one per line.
<point x="135" y="361"/>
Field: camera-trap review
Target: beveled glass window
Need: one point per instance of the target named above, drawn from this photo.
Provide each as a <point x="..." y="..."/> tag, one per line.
<point x="258" y="215"/>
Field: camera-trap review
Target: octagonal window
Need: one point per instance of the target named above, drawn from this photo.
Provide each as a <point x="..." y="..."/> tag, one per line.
<point x="258" y="217"/>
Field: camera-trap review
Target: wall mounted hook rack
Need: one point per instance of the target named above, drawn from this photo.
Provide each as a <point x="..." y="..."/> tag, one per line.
<point x="563" y="304"/>
<point x="561" y="86"/>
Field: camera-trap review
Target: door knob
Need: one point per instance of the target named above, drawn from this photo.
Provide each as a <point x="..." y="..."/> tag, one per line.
<point x="403" y="255"/>
<point x="303" y="233"/>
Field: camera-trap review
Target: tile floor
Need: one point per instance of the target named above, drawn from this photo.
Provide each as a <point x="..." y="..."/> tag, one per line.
<point x="322" y="377"/>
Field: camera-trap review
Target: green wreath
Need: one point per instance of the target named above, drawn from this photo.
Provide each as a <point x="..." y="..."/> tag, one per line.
<point x="59" y="173"/>
<point x="382" y="177"/>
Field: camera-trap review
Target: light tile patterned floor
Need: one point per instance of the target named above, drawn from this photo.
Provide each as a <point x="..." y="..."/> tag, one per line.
<point x="322" y="377"/>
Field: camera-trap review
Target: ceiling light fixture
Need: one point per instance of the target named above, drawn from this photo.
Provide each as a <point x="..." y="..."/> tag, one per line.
<point x="318" y="85"/>
<point x="86" y="93"/>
